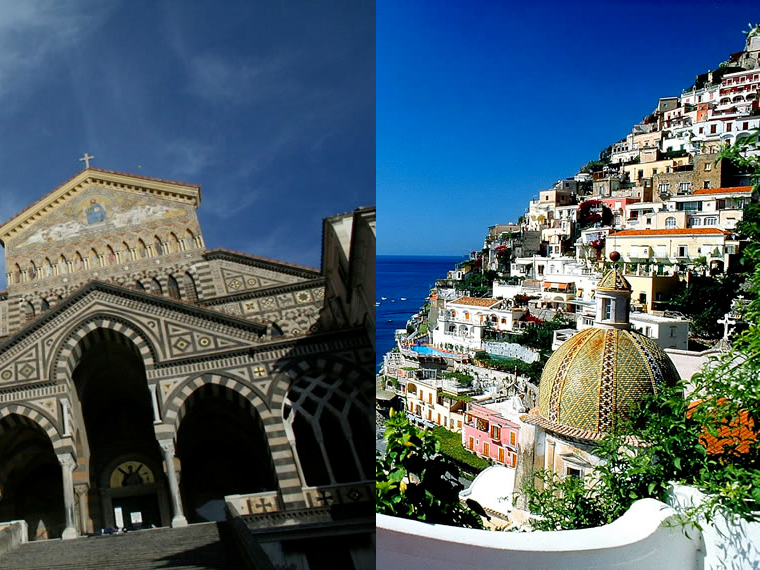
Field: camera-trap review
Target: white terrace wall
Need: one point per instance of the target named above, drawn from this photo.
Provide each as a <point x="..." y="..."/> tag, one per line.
<point x="638" y="540"/>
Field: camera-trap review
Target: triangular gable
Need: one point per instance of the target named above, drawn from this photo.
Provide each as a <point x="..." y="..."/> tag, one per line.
<point x="173" y="329"/>
<point x="178" y="192"/>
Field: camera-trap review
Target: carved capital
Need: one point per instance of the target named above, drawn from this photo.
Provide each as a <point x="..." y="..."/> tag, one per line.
<point x="67" y="461"/>
<point x="167" y="446"/>
<point x="81" y="490"/>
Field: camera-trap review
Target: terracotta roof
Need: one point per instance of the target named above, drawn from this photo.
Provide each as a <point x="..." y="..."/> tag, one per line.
<point x="731" y="190"/>
<point x="671" y="232"/>
<point x="476" y="302"/>
<point x="30" y="206"/>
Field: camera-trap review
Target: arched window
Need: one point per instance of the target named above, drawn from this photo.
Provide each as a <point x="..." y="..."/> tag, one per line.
<point x="155" y="287"/>
<point x="172" y="287"/>
<point x="142" y="251"/>
<point x="126" y="252"/>
<point x="329" y="420"/>
<point x="174" y="242"/>
<point x="110" y="256"/>
<point x="189" y="239"/>
<point x="670" y="222"/>
<point x="29" y="309"/>
<point x="32" y="270"/>
<point x="276" y="330"/>
<point x="62" y="265"/>
<point x="47" y="267"/>
<point x="94" y="258"/>
<point x="158" y="246"/>
<point x="44" y="305"/>
<point x="78" y="262"/>
<point x="139" y="286"/>
<point x="191" y="293"/>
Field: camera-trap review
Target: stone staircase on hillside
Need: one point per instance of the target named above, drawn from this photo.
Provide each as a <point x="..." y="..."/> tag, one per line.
<point x="197" y="546"/>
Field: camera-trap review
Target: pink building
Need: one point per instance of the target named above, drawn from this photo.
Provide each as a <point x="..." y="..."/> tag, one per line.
<point x="488" y="434"/>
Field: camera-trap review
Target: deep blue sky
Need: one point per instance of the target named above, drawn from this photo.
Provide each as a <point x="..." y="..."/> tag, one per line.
<point x="481" y="105"/>
<point x="268" y="105"/>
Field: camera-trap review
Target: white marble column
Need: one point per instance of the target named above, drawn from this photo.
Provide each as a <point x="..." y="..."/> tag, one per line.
<point x="67" y="470"/>
<point x="84" y="507"/>
<point x="178" y="516"/>
<point x="154" y="401"/>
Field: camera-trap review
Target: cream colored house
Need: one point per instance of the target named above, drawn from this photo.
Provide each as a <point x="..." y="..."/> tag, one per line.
<point x="668" y="249"/>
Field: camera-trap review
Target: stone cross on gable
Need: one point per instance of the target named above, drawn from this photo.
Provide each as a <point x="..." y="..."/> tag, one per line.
<point x="726" y="321"/>
<point x="86" y="159"/>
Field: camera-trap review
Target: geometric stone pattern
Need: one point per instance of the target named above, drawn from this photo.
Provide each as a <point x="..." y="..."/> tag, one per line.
<point x="128" y="244"/>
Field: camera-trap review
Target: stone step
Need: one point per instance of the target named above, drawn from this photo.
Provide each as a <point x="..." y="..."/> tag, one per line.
<point x="198" y="546"/>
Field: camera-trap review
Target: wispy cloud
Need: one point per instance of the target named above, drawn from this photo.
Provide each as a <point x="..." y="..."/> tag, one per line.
<point x="33" y="30"/>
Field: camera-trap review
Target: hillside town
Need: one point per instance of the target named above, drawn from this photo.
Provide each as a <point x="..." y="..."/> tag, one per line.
<point x="605" y="263"/>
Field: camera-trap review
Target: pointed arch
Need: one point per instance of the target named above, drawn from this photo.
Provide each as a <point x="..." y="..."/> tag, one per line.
<point x="62" y="265"/>
<point x="79" y="262"/>
<point x="174" y="245"/>
<point x="172" y="287"/>
<point x="29" y="311"/>
<point x="110" y="256"/>
<point x="44" y="305"/>
<point x="32" y="271"/>
<point x="155" y="287"/>
<point x="191" y="293"/>
<point x="67" y="354"/>
<point x="94" y="258"/>
<point x="17" y="274"/>
<point x="189" y="239"/>
<point x="47" y="267"/>
<point x="126" y="252"/>
<point x="139" y="286"/>
<point x="142" y="250"/>
<point x="158" y="246"/>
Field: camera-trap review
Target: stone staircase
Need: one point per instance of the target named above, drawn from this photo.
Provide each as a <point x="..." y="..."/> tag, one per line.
<point x="197" y="546"/>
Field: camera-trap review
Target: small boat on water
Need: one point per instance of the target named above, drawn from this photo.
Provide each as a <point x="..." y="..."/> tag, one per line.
<point x="377" y="304"/>
<point x="390" y="320"/>
<point x="393" y="300"/>
<point x="383" y="298"/>
<point x="403" y="298"/>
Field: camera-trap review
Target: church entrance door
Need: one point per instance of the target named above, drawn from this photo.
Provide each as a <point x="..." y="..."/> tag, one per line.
<point x="124" y="457"/>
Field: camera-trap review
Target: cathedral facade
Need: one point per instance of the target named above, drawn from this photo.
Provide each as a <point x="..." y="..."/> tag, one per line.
<point x="144" y="379"/>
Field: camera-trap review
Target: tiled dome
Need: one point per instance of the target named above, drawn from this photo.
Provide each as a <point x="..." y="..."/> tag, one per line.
<point x="594" y="377"/>
<point x="613" y="281"/>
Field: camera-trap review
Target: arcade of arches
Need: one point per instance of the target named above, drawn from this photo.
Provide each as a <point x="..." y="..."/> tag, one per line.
<point x="174" y="387"/>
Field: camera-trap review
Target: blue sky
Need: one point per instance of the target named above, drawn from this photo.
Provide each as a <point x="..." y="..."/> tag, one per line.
<point x="269" y="106"/>
<point x="481" y="105"/>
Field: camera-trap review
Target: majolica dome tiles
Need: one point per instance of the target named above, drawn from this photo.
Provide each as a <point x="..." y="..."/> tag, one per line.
<point x="594" y="377"/>
<point x="613" y="281"/>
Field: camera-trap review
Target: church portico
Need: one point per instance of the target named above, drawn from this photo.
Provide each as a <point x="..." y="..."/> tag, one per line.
<point x="151" y="380"/>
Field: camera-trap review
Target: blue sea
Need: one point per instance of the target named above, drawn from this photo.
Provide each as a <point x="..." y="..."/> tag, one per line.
<point x="408" y="276"/>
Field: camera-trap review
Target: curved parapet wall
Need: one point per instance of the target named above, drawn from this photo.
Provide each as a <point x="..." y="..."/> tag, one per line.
<point x="642" y="538"/>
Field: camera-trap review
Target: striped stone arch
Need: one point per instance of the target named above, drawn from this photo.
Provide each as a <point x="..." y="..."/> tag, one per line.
<point x="285" y="469"/>
<point x="175" y="408"/>
<point x="103" y="327"/>
<point x="13" y="415"/>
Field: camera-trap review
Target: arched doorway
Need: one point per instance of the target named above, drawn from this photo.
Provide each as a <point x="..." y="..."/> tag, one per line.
<point x="223" y="449"/>
<point x="127" y="483"/>
<point x="30" y="478"/>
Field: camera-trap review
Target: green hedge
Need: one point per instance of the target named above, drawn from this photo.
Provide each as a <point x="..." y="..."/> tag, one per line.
<point x="451" y="445"/>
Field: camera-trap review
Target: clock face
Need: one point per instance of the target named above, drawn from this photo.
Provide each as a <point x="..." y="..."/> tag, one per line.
<point x="130" y="474"/>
